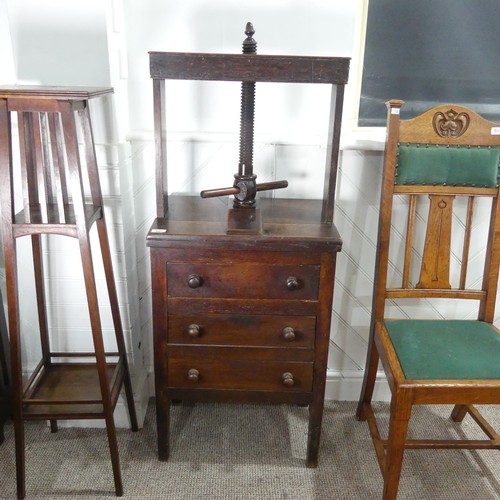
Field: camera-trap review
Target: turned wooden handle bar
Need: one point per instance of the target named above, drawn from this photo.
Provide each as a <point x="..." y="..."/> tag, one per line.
<point x="264" y="186"/>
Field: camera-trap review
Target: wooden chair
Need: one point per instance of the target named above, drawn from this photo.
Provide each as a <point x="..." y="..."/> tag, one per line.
<point x="64" y="385"/>
<point x="446" y="157"/>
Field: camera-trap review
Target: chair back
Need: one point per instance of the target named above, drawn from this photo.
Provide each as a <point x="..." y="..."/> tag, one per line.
<point x="436" y="159"/>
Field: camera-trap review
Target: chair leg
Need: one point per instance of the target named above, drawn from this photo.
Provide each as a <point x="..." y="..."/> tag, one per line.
<point x="113" y="300"/>
<point x="398" y="428"/>
<point x="458" y="413"/>
<point x="95" y="321"/>
<point x="372" y="360"/>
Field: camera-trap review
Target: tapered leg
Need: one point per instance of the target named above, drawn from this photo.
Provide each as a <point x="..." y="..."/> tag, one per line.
<point x="10" y="261"/>
<point x="20" y="457"/>
<point x="4" y="372"/>
<point x="113" y="300"/>
<point x="95" y="321"/>
<point x="314" y="433"/>
<point x="163" y="426"/>
<point x="160" y="328"/>
<point x="15" y="355"/>
<point x="372" y="360"/>
<point x="398" y="428"/>
<point x="113" y="448"/>
<point x="74" y="170"/>
<point x="3" y="403"/>
<point x="95" y="188"/>
<point x="323" y="325"/>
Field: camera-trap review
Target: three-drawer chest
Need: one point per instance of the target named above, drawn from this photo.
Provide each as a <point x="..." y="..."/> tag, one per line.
<point x="242" y="318"/>
<point x="242" y="288"/>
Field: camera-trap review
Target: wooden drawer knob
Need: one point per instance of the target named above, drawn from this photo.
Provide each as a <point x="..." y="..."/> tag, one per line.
<point x="194" y="330"/>
<point x="195" y="281"/>
<point x="288" y="334"/>
<point x="193" y="375"/>
<point x="292" y="283"/>
<point x="287" y="379"/>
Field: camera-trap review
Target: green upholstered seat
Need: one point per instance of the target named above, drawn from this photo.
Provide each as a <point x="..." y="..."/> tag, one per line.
<point x="446" y="349"/>
<point x="420" y="164"/>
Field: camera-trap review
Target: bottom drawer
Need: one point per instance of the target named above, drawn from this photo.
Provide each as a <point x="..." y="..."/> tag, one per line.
<point x="240" y="375"/>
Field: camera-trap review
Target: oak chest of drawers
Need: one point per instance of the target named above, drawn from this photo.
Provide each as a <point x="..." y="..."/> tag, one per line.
<point x="242" y="317"/>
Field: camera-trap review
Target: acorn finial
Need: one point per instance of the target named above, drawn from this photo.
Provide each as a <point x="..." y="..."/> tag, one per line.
<point x="249" y="44"/>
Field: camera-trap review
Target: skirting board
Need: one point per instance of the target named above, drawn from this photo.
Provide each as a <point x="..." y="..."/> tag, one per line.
<point x="346" y="386"/>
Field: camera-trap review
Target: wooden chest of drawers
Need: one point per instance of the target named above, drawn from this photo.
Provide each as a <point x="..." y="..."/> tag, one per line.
<point x="242" y="317"/>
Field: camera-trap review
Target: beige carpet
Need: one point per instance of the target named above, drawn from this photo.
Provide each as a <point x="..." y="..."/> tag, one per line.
<point x="249" y="452"/>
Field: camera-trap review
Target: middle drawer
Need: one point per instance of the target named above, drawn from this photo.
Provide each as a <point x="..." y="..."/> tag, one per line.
<point x="242" y="330"/>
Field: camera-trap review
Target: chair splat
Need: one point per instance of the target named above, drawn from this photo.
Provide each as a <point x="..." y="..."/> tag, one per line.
<point x="435" y="272"/>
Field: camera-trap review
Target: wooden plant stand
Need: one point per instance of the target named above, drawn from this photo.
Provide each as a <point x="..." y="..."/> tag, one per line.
<point x="64" y="385"/>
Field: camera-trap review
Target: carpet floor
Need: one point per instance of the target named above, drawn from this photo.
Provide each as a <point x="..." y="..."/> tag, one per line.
<point x="251" y="452"/>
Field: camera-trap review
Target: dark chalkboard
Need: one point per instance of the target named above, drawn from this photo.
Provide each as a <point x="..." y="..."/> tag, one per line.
<point x="429" y="52"/>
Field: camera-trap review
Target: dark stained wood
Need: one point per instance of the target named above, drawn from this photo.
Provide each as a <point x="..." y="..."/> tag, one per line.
<point x="240" y="353"/>
<point x="51" y="177"/>
<point x="295" y="221"/>
<point x="66" y="390"/>
<point x="327" y="274"/>
<point x="332" y="153"/>
<point x="160" y="148"/>
<point x="241" y="308"/>
<point x="434" y="282"/>
<point x="31" y="221"/>
<point x="242" y="299"/>
<point x="242" y="329"/>
<point x="235" y="396"/>
<point x="4" y="372"/>
<point x="249" y="68"/>
<point x="52" y="93"/>
<point x="244" y="375"/>
<point x="235" y="306"/>
<point x="251" y="281"/>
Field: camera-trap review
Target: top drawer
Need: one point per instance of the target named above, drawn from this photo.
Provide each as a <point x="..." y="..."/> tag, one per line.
<point x="246" y="280"/>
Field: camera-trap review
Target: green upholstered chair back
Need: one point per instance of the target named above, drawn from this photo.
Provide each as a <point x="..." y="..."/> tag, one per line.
<point x="447" y="165"/>
<point x="443" y="154"/>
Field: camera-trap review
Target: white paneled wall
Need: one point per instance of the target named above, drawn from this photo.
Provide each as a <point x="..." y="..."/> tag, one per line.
<point x="107" y="43"/>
